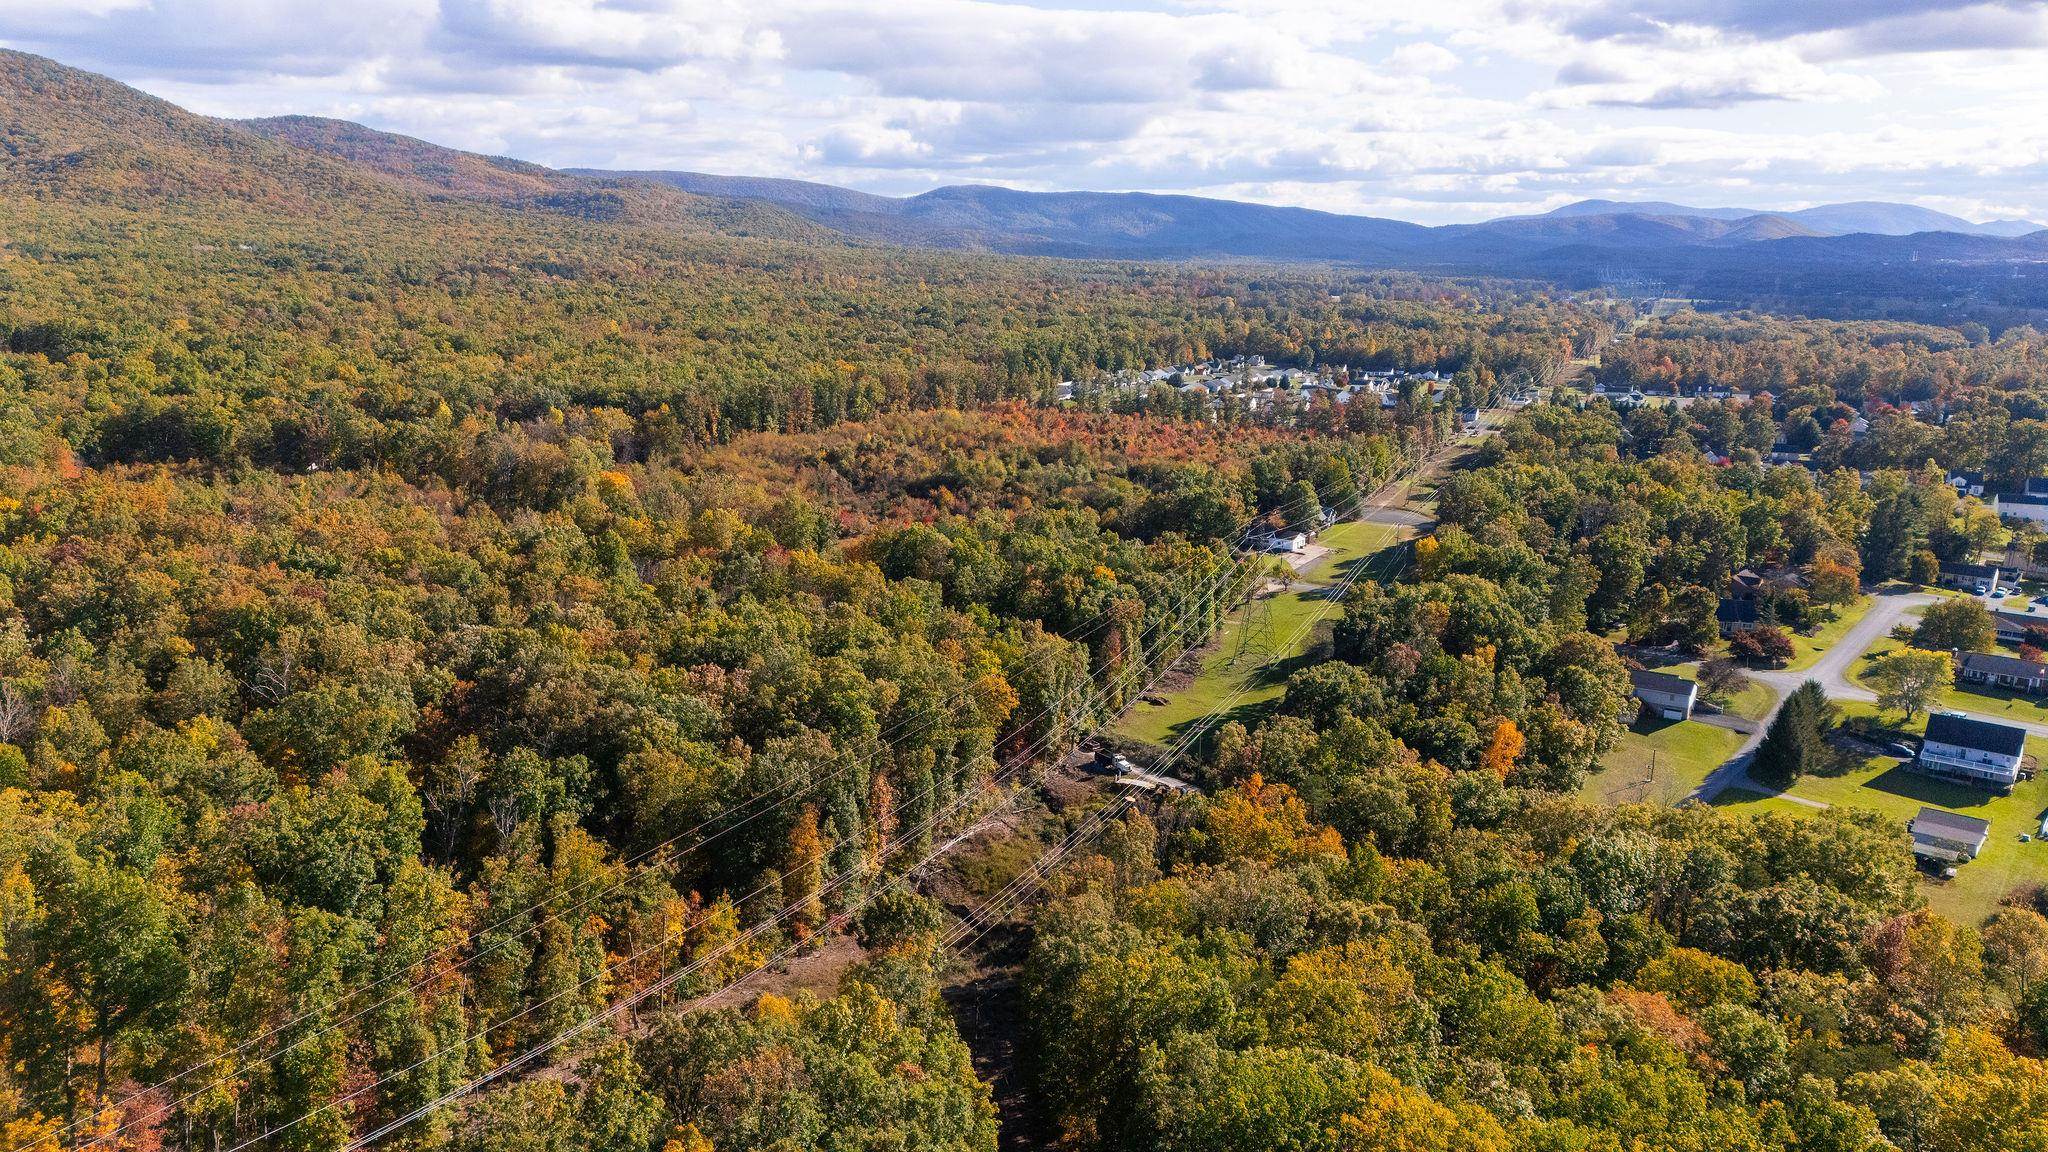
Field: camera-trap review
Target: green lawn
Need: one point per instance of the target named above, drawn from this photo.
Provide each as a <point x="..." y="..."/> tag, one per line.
<point x="1246" y="655"/>
<point x="1885" y="785"/>
<point x="1806" y="650"/>
<point x="1660" y="762"/>
<point x="1753" y="702"/>
<point x="1352" y="542"/>
<point x="1989" y="702"/>
<point x="1259" y="663"/>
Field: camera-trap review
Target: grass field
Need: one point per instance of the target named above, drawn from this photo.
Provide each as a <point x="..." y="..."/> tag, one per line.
<point x="1255" y="651"/>
<point x="1250" y="655"/>
<point x="1806" y="650"/>
<point x="1884" y="785"/>
<point x="1350" y="543"/>
<point x="1660" y="762"/>
<point x="1758" y="801"/>
<point x="1753" y="702"/>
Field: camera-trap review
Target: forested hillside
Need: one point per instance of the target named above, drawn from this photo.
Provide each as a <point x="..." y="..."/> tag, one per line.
<point x="433" y="614"/>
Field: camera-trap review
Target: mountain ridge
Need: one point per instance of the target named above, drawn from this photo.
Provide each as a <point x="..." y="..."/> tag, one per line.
<point x="69" y="134"/>
<point x="1879" y="217"/>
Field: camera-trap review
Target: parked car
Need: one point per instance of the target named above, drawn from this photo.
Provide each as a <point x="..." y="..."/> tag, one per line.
<point x="1902" y="750"/>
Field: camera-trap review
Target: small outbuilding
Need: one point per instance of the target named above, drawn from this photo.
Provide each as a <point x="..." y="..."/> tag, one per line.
<point x="1949" y="837"/>
<point x="1664" y="695"/>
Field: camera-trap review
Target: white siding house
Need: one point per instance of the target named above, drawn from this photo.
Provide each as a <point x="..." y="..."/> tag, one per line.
<point x="1664" y="695"/>
<point x="1980" y="751"/>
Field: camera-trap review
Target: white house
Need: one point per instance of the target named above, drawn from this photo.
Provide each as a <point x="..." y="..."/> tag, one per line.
<point x="1285" y="542"/>
<point x="1979" y="751"/>
<point x="2027" y="505"/>
<point x="1983" y="579"/>
<point x="1667" y="696"/>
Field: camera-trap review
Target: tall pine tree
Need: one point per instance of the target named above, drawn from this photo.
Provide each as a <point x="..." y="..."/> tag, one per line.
<point x="1797" y="740"/>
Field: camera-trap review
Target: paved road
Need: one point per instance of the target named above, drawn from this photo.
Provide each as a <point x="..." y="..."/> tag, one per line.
<point x="1832" y="670"/>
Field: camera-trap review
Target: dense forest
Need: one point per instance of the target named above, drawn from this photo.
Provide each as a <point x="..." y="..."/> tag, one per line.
<point x="1392" y="927"/>
<point x="449" y="632"/>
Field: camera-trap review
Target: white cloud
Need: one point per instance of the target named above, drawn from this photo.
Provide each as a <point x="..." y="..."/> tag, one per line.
<point x="1453" y="110"/>
<point x="1422" y="57"/>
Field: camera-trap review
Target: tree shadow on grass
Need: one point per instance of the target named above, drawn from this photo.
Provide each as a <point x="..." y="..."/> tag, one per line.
<point x="1273" y="673"/>
<point x="1649" y="723"/>
<point x="1912" y="785"/>
<point x="1729" y="797"/>
<point x="1375" y="565"/>
<point x="1198" y="731"/>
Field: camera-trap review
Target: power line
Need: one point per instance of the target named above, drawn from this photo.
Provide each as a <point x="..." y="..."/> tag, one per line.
<point x="1166" y="624"/>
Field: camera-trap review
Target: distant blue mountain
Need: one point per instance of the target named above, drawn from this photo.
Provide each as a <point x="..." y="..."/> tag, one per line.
<point x="1134" y="224"/>
<point x="1878" y="217"/>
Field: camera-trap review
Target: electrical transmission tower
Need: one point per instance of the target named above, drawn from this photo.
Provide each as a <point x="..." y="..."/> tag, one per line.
<point x="1255" y="634"/>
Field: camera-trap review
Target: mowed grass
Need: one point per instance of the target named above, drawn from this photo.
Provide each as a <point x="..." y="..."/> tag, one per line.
<point x="1660" y="762"/>
<point x="1248" y="663"/>
<point x="1355" y="542"/>
<point x="1251" y="658"/>
<point x="1807" y="650"/>
<point x="1883" y="784"/>
<point x="1990" y="702"/>
<point x="1753" y="702"/>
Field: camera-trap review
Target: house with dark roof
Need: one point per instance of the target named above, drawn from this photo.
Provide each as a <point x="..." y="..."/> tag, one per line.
<point x="2021" y="505"/>
<point x="1745" y="584"/>
<point x="1978" y="751"/>
<point x="1991" y="670"/>
<point x="1664" y="695"/>
<point x="1949" y="837"/>
<point x="2016" y="628"/>
<point x="1979" y="578"/>
<point x="1753" y="583"/>
<point x="1736" y="616"/>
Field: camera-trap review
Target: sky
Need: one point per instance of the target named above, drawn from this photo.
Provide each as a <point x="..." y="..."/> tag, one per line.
<point x="1437" y="111"/>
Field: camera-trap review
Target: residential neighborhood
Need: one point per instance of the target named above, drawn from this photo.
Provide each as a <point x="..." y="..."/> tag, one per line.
<point x="1956" y="764"/>
<point x="1248" y="386"/>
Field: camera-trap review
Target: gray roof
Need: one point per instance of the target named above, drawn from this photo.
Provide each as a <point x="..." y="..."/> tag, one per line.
<point x="1950" y="825"/>
<point x="2020" y="620"/>
<point x="1992" y="664"/>
<point x="1648" y="681"/>
<point x="1983" y="735"/>
<point x="1971" y="570"/>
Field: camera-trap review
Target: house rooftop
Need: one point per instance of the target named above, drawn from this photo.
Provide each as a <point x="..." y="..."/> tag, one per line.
<point x="1950" y="825"/>
<point x="1736" y="611"/>
<point x="1982" y="735"/>
<point x="1992" y="664"/>
<point x="1648" y="681"/>
<point x="1978" y="570"/>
